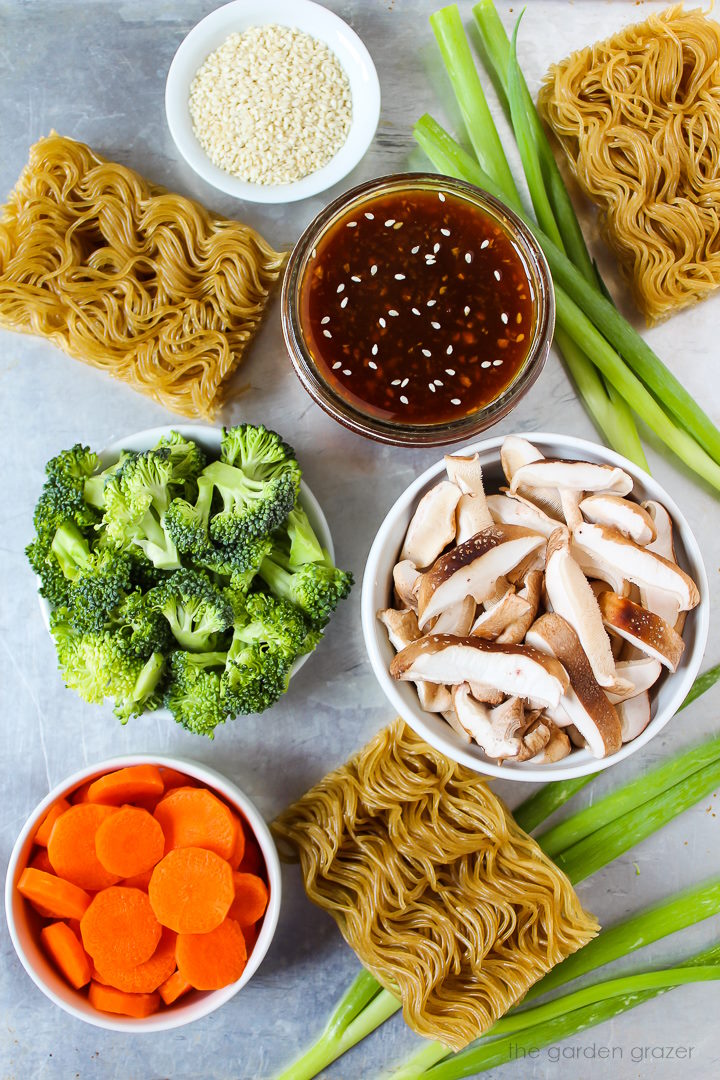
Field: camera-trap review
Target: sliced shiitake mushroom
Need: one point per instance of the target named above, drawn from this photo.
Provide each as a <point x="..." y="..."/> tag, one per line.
<point x="432" y="526"/>
<point x="643" y="628"/>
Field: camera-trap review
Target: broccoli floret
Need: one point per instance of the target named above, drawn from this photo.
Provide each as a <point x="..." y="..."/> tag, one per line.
<point x="187" y="524"/>
<point x="141" y="628"/>
<point x="94" y="665"/>
<point x="250" y="508"/>
<point x="137" y="497"/>
<point x="256" y="450"/>
<point x="304" y="544"/>
<point x="146" y="694"/>
<point x="187" y="458"/>
<point x="63" y="495"/>
<point x="254" y="679"/>
<point x="193" y="694"/>
<point x="196" y="609"/>
<point x="100" y="587"/>
<point x="94" y="490"/>
<point x="271" y="624"/>
<point x="316" y="588"/>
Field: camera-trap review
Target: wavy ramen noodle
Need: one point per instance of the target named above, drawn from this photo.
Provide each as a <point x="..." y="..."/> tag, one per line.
<point x="443" y="897"/>
<point x="638" y="117"/>
<point x="144" y="284"/>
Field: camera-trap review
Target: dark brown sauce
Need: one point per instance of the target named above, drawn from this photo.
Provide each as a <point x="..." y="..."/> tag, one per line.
<point x="417" y="308"/>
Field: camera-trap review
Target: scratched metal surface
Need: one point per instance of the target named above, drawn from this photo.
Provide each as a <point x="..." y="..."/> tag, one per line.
<point x="96" y="70"/>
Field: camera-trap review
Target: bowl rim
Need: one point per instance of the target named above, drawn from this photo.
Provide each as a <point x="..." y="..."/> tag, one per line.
<point x="317" y="21"/>
<point x="211" y="435"/>
<point x="210" y="1000"/>
<point x="425" y="435"/>
<point x="446" y="742"/>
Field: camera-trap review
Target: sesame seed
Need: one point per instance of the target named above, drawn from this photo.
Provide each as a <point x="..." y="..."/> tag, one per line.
<point x="370" y="217"/>
<point x="435" y="325"/>
<point x="393" y="312"/>
<point x="455" y="401"/>
<point x="374" y="350"/>
<point x="431" y="386"/>
<point x="399" y="277"/>
<point x="395" y="382"/>
<point x="497" y="275"/>
<point x="436" y="248"/>
<point x="325" y="319"/>
<point x="398" y="225"/>
<point x="415" y="311"/>
<point x="382" y="323"/>
<point x="414" y="251"/>
<point x="404" y="383"/>
<point x="390" y="221"/>
<point x="445" y="232"/>
<point x="449" y="371"/>
<point x="373" y="269"/>
<point x="504" y="318"/>
<point x="340" y="288"/>
<point x="426" y="352"/>
<point x="355" y="278"/>
<point x="313" y="253"/>
<point x="467" y="310"/>
<point x="485" y="243"/>
<point x="347" y="371"/>
<point x="336" y="365"/>
<point x="468" y="257"/>
<point x="351" y="225"/>
<point x="485" y="363"/>
<point x="372" y="365"/>
<point x="449" y="350"/>
<point x="403" y="399"/>
<point x="343" y="302"/>
<point x="327" y="333"/>
<point x="431" y="303"/>
<point x="441" y="197"/>
<point x="497" y="363"/>
<point x="438" y="382"/>
<point x="518" y="317"/>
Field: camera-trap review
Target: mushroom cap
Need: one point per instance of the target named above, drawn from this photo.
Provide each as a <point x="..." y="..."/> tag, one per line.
<point x="516" y="452"/>
<point x="643" y="628"/>
<point x="472" y="568"/>
<point x="573" y="475"/>
<point x="432" y="526"/>
<point x="572" y="597"/>
<point x="584" y="701"/>
<point x="516" y="670"/>
<point x="639" y="564"/>
<point x="629" y="517"/>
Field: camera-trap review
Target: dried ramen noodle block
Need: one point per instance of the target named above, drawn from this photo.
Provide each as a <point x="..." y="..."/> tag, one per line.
<point x="443" y="897"/>
<point x="638" y="117"/>
<point x="144" y="284"/>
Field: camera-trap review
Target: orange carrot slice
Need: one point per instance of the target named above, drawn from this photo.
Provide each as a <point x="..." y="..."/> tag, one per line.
<point x="251" y="934"/>
<point x="119" y="928"/>
<point x="108" y="999"/>
<point x="138" y="881"/>
<point x="251" y="899"/>
<point x="67" y="953"/>
<point x="71" y="847"/>
<point x="129" y="842"/>
<point x="173" y="778"/>
<point x="51" y="895"/>
<point x="239" y="850"/>
<point x="80" y="794"/>
<point x="126" y="785"/>
<point x="194" y="817"/>
<point x="213" y="960"/>
<point x="191" y="890"/>
<point x="252" y="861"/>
<point x="41" y="861"/>
<point x="44" y="829"/>
<point x="174" y="987"/>
<point x="145" y="977"/>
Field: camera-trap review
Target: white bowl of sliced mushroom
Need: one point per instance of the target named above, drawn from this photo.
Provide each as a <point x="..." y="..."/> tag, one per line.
<point x="535" y="607"/>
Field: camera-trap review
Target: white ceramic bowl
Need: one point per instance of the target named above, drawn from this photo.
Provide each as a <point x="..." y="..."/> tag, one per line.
<point x="311" y="19"/>
<point x="209" y="439"/>
<point x="23" y="922"/>
<point x="666" y="697"/>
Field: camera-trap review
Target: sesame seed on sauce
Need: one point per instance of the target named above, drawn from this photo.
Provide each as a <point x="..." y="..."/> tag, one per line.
<point x="395" y="250"/>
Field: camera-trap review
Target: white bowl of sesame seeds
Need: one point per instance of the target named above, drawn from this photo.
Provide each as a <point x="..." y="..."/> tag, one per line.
<point x="272" y="101"/>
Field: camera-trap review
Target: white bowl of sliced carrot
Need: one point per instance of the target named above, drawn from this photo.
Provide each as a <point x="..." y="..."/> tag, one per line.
<point x="143" y="893"/>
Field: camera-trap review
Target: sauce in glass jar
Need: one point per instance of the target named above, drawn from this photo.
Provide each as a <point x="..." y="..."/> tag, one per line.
<point x="417" y="307"/>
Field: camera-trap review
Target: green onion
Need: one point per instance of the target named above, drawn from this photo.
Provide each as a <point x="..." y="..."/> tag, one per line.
<point x="544" y="802"/>
<point x="702" y="684"/>
<point x="605" y="844"/>
<point x="448" y="29"/>
<point x="637" y="793"/>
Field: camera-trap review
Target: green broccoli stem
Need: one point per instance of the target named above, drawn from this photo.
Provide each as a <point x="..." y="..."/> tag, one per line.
<point x="71" y="550"/>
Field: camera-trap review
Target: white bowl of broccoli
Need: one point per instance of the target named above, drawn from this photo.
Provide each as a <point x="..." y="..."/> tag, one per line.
<point x="183" y="568"/>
